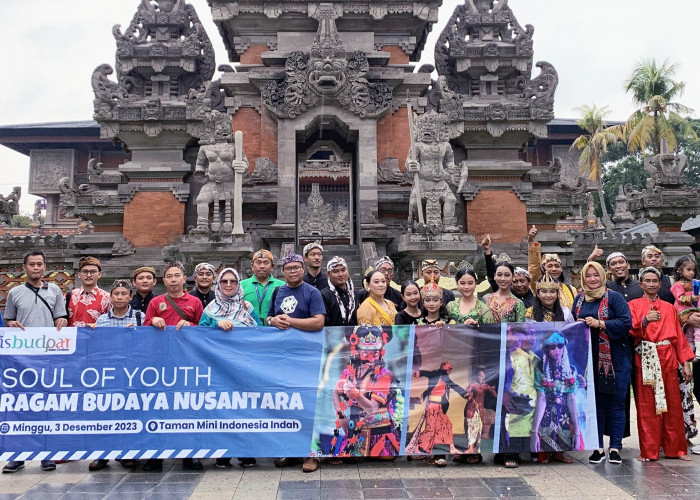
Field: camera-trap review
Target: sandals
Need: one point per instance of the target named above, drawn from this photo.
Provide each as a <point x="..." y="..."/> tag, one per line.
<point x="436" y="461"/>
<point x="511" y="461"/>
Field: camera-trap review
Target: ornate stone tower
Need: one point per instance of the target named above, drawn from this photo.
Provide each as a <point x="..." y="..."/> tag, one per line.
<point x="157" y="108"/>
<point x="323" y="89"/>
<point x="484" y="59"/>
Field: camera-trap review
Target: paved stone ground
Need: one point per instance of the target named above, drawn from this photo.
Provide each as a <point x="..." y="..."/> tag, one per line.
<point x="368" y="480"/>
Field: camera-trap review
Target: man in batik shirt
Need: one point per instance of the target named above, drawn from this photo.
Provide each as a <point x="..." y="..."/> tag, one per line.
<point x="87" y="302"/>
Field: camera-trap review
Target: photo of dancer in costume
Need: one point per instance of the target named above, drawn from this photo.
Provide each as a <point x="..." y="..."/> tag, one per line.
<point x="556" y="415"/>
<point x="367" y="403"/>
<point x="453" y="397"/>
<point x="435" y="427"/>
<point x="547" y="400"/>
<point x="477" y="422"/>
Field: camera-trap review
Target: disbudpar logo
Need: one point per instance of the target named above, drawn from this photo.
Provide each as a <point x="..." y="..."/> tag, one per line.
<point x="37" y="341"/>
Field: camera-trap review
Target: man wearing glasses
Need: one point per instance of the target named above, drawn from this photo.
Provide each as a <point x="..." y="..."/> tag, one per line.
<point x="296" y="305"/>
<point x="87" y="302"/>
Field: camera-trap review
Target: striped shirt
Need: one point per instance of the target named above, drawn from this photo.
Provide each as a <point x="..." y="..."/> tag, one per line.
<point x="130" y="318"/>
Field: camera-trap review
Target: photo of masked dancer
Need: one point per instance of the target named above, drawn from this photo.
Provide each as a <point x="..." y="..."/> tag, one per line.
<point x="368" y="406"/>
<point x="435" y="426"/>
<point x="475" y="411"/>
<point x="556" y="415"/>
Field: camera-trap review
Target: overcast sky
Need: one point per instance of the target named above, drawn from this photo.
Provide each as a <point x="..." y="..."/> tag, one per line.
<point x="52" y="47"/>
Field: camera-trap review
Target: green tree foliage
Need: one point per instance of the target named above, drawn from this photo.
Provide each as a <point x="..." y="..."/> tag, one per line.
<point x="593" y="146"/>
<point x="21" y="220"/>
<point x="659" y="115"/>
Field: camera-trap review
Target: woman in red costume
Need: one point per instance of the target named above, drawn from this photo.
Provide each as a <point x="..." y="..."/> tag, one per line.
<point x="661" y="347"/>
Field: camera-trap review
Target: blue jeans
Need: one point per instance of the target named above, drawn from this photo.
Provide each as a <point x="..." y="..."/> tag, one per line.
<point x="610" y="411"/>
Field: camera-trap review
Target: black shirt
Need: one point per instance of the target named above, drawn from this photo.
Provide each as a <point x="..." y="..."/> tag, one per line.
<point x="139" y="303"/>
<point x="320" y="281"/>
<point x="205" y="298"/>
<point x="333" y="314"/>
<point x="403" y="318"/>
<point x="665" y="290"/>
<point x="528" y="299"/>
<point x="628" y="288"/>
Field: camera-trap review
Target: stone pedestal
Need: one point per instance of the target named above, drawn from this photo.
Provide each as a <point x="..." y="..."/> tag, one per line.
<point x="451" y="246"/>
<point x="222" y="250"/>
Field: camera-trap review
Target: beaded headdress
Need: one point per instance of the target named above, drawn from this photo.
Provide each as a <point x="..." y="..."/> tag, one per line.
<point x="431" y="290"/>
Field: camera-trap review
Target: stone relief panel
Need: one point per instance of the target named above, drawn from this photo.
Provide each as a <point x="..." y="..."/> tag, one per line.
<point x="47" y="167"/>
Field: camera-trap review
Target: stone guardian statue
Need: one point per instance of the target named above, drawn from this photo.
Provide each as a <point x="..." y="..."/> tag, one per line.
<point x="220" y="165"/>
<point x="432" y="159"/>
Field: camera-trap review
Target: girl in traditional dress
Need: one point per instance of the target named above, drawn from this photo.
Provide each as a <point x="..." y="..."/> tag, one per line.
<point x="433" y="311"/>
<point x="556" y="426"/>
<point x="376" y="310"/>
<point x="505" y="307"/>
<point x="474" y="413"/>
<point x="687" y="307"/>
<point x="468" y="310"/>
<point x="546" y="308"/>
<point x="410" y="294"/>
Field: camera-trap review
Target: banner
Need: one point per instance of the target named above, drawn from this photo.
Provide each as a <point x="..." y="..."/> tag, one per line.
<point x="365" y="391"/>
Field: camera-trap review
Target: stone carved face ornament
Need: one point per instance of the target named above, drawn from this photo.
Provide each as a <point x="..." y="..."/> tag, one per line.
<point x="326" y="72"/>
<point x="328" y="75"/>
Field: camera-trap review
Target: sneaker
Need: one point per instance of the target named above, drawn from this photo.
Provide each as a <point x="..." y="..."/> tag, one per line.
<point x="246" y="462"/>
<point x="614" y="457"/>
<point x="48" y="465"/>
<point x="13" y="466"/>
<point x="596" y="457"/>
<point x="695" y="449"/>
<point x="223" y="463"/>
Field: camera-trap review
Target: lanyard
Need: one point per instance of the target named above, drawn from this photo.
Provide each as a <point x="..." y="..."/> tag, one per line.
<point x="261" y="299"/>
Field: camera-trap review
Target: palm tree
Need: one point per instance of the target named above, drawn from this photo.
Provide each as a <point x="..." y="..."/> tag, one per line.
<point x="654" y="91"/>
<point x="593" y="145"/>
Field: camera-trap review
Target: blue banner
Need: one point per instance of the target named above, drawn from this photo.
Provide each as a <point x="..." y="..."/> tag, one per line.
<point x="83" y="393"/>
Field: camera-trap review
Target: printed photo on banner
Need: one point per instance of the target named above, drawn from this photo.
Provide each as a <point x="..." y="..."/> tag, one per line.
<point x="454" y="385"/>
<point x="360" y="404"/>
<point x="545" y="401"/>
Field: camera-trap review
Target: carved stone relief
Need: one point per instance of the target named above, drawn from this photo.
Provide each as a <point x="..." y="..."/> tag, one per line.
<point x="328" y="73"/>
<point x="47" y="167"/>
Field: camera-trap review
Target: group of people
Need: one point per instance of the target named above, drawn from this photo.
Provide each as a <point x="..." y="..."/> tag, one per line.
<point x="652" y="316"/>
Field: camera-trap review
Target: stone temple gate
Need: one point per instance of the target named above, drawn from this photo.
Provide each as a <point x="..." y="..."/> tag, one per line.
<point x="343" y="140"/>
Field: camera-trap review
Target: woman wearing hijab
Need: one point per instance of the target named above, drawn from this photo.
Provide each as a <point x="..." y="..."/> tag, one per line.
<point x="228" y="309"/>
<point x="608" y="316"/>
